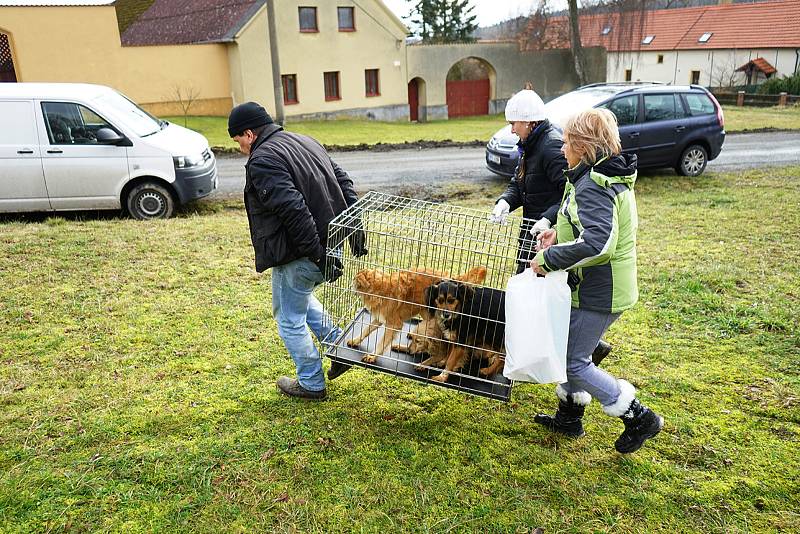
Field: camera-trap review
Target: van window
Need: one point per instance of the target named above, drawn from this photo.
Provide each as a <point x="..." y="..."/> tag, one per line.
<point x="72" y="124"/>
<point x="699" y="104"/>
<point x="626" y="109"/>
<point x="131" y="115"/>
<point x="662" y="108"/>
<point x="17" y="125"/>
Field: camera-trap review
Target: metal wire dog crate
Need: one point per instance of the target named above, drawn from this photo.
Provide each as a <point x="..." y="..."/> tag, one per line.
<point x="414" y="243"/>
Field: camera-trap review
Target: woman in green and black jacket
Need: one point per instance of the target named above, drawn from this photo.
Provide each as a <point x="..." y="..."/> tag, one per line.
<point x="595" y="240"/>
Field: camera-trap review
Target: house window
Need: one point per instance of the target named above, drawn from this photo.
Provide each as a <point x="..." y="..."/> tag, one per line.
<point x="289" y="88"/>
<point x="332" y="86"/>
<point x="660" y="58"/>
<point x="7" y="72"/>
<point x="606" y="30"/>
<point x="705" y="37"/>
<point x="648" y="39"/>
<point x="628" y="75"/>
<point x="371" y="82"/>
<point x="347" y="19"/>
<point x="308" y="19"/>
<point x="695" y="78"/>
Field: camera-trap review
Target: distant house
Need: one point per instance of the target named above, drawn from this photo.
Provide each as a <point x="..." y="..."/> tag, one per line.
<point x="345" y="57"/>
<point x="721" y="45"/>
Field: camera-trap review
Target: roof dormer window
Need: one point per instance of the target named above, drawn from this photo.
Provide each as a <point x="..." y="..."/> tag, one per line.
<point x="705" y="37"/>
<point x="606" y="30"/>
<point x="648" y="39"/>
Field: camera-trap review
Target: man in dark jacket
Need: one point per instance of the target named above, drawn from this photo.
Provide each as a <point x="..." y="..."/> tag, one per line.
<point x="292" y="191"/>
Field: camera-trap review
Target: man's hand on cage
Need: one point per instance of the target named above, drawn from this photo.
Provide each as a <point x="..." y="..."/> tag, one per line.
<point x="500" y="212"/>
<point x="331" y="268"/>
<point x="358" y="243"/>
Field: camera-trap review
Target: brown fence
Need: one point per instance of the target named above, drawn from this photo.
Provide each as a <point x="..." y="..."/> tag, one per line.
<point x="743" y="99"/>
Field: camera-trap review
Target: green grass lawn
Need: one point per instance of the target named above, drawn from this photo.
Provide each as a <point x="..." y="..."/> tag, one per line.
<point x="738" y="119"/>
<point x="138" y="360"/>
<point x="355" y="132"/>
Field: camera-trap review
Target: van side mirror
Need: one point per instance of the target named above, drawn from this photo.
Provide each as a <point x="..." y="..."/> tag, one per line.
<point x="107" y="136"/>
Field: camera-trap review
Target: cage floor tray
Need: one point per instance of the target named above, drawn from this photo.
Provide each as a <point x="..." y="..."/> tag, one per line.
<point x="403" y="364"/>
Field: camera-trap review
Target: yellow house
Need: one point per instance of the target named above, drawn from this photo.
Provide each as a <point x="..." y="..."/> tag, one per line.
<point x="337" y="58"/>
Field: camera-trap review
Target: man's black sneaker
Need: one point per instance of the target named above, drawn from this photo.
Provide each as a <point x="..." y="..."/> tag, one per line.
<point x="602" y="350"/>
<point x="338" y="369"/>
<point x="291" y="387"/>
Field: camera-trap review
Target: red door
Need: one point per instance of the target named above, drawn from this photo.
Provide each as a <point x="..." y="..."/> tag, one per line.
<point x="468" y="97"/>
<point x="413" y="99"/>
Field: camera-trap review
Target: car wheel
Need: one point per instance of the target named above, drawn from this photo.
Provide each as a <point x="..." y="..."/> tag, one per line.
<point x="150" y="200"/>
<point x="693" y="161"/>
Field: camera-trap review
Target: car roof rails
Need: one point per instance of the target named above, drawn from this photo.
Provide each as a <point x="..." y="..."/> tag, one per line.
<point x="605" y="84"/>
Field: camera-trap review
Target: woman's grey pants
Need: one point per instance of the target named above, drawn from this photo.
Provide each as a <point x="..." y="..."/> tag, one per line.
<point x="586" y="327"/>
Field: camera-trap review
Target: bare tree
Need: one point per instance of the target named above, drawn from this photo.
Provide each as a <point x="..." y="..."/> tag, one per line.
<point x="185" y="97"/>
<point x="578" y="57"/>
<point x="724" y="73"/>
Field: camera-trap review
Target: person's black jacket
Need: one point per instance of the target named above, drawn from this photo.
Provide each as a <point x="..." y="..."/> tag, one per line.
<point x="542" y="186"/>
<point x="292" y="191"/>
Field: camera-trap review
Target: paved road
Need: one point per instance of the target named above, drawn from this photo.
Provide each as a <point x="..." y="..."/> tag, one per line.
<point x="408" y="169"/>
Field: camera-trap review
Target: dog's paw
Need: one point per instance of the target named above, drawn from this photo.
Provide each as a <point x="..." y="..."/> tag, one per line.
<point x="400" y="348"/>
<point x="440" y="377"/>
<point x="369" y="358"/>
<point x="485" y="371"/>
<point x="353" y="343"/>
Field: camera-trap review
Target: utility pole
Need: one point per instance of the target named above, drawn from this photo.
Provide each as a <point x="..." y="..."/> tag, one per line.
<point x="277" y="85"/>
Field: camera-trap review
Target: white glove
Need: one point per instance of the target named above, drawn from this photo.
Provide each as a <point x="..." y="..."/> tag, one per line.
<point x="540" y="226"/>
<point x="500" y="212"/>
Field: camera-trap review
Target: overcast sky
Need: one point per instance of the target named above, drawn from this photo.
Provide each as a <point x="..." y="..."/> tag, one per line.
<point x="489" y="11"/>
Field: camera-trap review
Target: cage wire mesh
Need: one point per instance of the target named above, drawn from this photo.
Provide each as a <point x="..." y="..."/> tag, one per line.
<point x="380" y="303"/>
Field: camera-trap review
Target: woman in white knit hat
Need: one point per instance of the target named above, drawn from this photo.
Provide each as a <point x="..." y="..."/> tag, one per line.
<point x="538" y="181"/>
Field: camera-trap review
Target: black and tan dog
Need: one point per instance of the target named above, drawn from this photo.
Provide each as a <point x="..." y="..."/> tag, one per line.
<point x="473" y="320"/>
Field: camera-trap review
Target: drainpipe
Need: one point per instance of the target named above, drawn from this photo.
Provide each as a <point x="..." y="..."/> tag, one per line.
<point x="675" y="74"/>
<point x="796" y="59"/>
<point x="277" y="85"/>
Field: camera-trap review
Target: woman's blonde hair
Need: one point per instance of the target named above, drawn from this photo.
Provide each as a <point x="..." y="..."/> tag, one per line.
<point x="593" y="134"/>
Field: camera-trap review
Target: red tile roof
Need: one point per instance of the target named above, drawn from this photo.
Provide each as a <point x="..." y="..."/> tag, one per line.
<point x="760" y="64"/>
<point x="774" y="24"/>
<point x="190" y="21"/>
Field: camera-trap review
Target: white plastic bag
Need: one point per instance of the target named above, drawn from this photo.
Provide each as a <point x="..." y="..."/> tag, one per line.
<point x="537" y="327"/>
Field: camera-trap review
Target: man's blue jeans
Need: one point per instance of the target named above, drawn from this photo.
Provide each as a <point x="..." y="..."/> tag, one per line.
<point x="296" y="310"/>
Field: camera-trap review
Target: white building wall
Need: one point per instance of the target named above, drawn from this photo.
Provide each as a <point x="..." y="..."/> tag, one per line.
<point x="715" y="66"/>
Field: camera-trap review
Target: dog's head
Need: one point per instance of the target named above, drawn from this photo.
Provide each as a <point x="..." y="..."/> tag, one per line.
<point x="446" y="298"/>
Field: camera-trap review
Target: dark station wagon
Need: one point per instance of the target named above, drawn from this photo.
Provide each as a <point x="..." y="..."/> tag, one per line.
<point x="666" y="126"/>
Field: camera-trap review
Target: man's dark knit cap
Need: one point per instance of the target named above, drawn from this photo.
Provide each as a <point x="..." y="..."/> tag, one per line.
<point x="247" y="116"/>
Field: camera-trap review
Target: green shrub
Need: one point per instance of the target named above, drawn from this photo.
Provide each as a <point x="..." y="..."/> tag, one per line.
<point x="785" y="84"/>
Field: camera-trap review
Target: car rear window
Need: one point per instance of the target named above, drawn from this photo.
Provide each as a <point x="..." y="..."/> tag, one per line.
<point x="699" y="104"/>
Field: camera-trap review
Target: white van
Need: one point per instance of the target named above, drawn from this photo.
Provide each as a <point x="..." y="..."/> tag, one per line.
<point x="68" y="146"/>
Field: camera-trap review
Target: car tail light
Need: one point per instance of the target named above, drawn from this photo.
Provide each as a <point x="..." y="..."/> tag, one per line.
<point x="720" y="114"/>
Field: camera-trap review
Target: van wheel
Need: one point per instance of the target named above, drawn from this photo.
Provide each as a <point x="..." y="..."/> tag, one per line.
<point x="150" y="200"/>
<point x="693" y="161"/>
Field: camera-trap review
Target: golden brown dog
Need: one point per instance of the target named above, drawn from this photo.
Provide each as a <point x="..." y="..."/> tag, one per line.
<point x="393" y="298"/>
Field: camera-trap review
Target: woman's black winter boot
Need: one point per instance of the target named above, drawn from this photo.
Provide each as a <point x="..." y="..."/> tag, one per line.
<point x="641" y="423"/>
<point x="567" y="419"/>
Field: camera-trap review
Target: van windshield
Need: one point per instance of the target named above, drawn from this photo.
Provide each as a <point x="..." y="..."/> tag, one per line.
<point x="134" y="117"/>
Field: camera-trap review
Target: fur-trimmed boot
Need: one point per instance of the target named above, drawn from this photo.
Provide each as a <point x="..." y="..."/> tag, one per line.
<point x="641" y="423"/>
<point x="567" y="419"/>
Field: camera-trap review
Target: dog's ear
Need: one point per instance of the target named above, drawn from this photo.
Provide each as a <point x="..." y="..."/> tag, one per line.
<point x="430" y="300"/>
